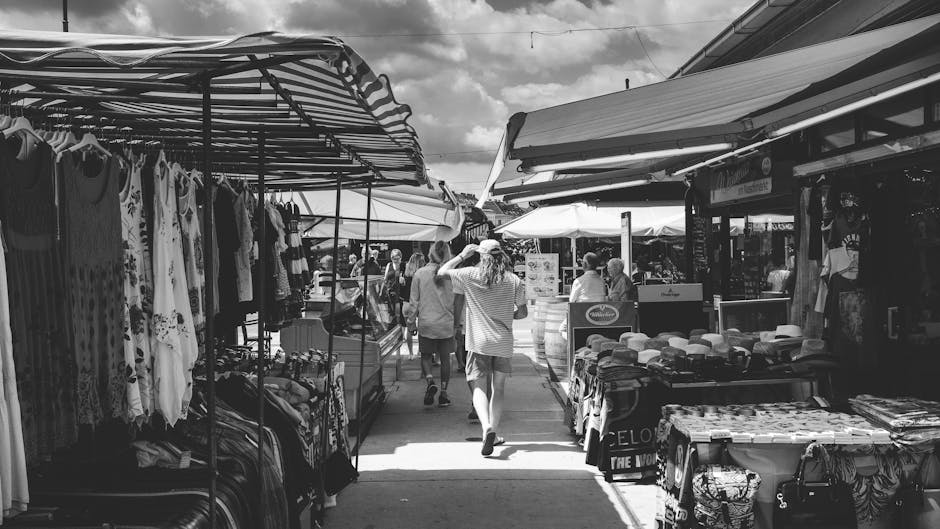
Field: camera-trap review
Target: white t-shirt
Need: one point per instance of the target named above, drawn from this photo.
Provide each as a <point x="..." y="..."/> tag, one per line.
<point x="490" y="310"/>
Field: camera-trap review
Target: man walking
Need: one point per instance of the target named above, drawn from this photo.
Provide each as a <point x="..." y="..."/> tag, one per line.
<point x="494" y="297"/>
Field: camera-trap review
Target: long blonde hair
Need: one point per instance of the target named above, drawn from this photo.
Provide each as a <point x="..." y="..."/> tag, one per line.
<point x="438" y="255"/>
<point x="414" y="263"/>
<point x="495" y="266"/>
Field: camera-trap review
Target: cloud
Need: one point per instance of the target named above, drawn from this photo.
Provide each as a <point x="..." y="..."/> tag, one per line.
<point x="468" y="65"/>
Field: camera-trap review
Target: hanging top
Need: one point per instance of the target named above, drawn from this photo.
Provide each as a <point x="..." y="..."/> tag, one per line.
<point x="323" y="111"/>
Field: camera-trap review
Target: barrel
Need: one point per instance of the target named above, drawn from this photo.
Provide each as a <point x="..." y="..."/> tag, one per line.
<point x="556" y="353"/>
<point x="544" y="309"/>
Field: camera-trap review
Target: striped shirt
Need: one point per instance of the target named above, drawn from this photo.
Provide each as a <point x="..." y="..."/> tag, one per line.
<point x="490" y="310"/>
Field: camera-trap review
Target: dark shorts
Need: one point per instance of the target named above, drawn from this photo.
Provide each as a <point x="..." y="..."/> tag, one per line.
<point x="435" y="346"/>
<point x="482" y="366"/>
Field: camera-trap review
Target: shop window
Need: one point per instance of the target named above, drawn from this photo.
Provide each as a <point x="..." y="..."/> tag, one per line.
<point x="935" y="101"/>
<point x="894" y="117"/>
<point x="837" y="133"/>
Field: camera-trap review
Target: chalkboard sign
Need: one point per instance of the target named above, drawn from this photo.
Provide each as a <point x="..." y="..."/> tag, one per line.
<point x="753" y="315"/>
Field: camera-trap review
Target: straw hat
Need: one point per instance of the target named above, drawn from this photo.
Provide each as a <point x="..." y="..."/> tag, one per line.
<point x="647" y="355"/>
<point x="699" y="349"/>
<point x="637" y="342"/>
<point x="788" y="331"/>
<point x="656" y="343"/>
<point x="746" y="342"/>
<point x="700" y="341"/>
<point x="714" y="338"/>
<point x="677" y="341"/>
<point x="626" y="336"/>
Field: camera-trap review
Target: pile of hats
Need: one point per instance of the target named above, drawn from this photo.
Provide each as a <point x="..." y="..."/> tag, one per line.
<point x="702" y="351"/>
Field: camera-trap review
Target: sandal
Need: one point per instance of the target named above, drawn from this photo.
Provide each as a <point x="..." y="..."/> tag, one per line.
<point x="489" y="442"/>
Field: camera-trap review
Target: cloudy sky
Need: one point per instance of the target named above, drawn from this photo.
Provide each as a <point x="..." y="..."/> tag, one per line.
<point x="464" y="66"/>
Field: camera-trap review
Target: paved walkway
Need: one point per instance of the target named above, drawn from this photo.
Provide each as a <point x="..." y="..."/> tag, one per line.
<point x="421" y="466"/>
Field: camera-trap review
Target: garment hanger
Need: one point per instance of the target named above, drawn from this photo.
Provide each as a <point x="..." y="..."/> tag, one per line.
<point x="23" y="126"/>
<point x="89" y="141"/>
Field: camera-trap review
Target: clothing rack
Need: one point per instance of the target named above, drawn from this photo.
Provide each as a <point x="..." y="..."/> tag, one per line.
<point x="306" y="112"/>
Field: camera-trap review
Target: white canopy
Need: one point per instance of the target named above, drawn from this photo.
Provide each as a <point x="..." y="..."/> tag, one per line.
<point x="581" y="219"/>
<point x="649" y="219"/>
<point x="406" y="213"/>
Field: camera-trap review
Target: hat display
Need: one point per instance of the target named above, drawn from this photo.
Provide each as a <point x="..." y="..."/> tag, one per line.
<point x="656" y="343"/>
<point x="678" y="341"/>
<point x="747" y="342"/>
<point x="489" y="246"/>
<point x="768" y="349"/>
<point x="811" y="348"/>
<point x="697" y="332"/>
<point x="767" y="336"/>
<point x="699" y="349"/>
<point x="672" y="352"/>
<point x="700" y="341"/>
<point x="788" y="331"/>
<point x="592" y="338"/>
<point x="621" y="352"/>
<point x="722" y="349"/>
<point x="608" y="345"/>
<point x="713" y="338"/>
<point x="667" y="334"/>
<point x="597" y="342"/>
<point x="626" y="336"/>
<point x="637" y="342"/>
<point x="645" y="356"/>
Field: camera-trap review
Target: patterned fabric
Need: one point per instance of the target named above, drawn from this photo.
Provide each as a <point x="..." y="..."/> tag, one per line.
<point x="724" y="496"/>
<point x="191" y="238"/>
<point x="39" y="317"/>
<point x="136" y="286"/>
<point x="107" y="385"/>
<point x="175" y="344"/>
<point x="874" y="490"/>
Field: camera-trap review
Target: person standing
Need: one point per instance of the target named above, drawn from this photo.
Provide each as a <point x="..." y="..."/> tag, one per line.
<point x="415" y="262"/>
<point x="432" y="297"/>
<point x="621" y="288"/>
<point x="495" y="296"/>
<point x="590" y="286"/>
<point x="355" y="265"/>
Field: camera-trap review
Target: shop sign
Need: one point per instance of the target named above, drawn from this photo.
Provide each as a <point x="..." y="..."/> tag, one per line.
<point x="602" y="314"/>
<point x="541" y="275"/>
<point x="670" y="293"/>
<point x="748" y="179"/>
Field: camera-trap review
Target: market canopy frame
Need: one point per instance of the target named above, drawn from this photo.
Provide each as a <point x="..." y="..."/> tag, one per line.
<point x="320" y="112"/>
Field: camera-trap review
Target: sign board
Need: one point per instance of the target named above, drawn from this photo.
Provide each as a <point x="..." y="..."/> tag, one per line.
<point x="670" y="293"/>
<point x="629" y="448"/>
<point x="753" y="315"/>
<point x="673" y="307"/>
<point x="750" y="179"/>
<point x="607" y="318"/>
<point x="541" y="275"/>
<point x="626" y="240"/>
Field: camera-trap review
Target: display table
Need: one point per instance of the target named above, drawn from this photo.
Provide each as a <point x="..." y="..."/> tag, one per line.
<point x="768" y="439"/>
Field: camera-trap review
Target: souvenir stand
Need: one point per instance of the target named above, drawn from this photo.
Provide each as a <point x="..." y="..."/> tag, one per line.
<point x="274" y="111"/>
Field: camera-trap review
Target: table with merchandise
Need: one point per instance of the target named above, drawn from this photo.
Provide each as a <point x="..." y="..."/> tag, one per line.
<point x="794" y="464"/>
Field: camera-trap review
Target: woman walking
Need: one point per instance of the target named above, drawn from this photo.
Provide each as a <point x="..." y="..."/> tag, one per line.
<point x="414" y="264"/>
<point x="433" y="298"/>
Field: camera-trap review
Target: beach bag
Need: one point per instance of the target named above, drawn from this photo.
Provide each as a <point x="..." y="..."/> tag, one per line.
<point x="724" y="495"/>
<point x="823" y="504"/>
<point x="919" y="502"/>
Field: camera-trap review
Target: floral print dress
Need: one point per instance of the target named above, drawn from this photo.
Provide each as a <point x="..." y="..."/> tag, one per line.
<point x="192" y="255"/>
<point x="137" y="283"/>
<point x="175" y="344"/>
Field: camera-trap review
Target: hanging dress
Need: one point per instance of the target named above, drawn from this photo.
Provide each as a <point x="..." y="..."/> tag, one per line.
<point x="14" y="485"/>
<point x="39" y="316"/>
<point x="192" y="255"/>
<point x="92" y="214"/>
<point x="136" y="283"/>
<point x="175" y="345"/>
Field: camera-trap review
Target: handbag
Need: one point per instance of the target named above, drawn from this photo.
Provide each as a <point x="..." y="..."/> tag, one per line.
<point x="338" y="472"/>
<point x="825" y="504"/>
<point x="724" y="495"/>
<point x="919" y="502"/>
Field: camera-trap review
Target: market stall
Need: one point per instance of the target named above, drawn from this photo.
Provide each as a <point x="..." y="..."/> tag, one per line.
<point x="174" y="145"/>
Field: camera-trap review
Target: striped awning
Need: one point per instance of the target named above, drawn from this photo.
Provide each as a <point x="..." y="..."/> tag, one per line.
<point x="322" y="111"/>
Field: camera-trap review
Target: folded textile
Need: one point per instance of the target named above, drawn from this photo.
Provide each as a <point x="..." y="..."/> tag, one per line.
<point x="899" y="412"/>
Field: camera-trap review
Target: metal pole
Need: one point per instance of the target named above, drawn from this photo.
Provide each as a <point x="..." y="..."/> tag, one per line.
<point x="262" y="343"/>
<point x="329" y="359"/>
<point x="724" y="237"/>
<point x="207" y="235"/>
<point x="65" y="16"/>
<point x="365" y="315"/>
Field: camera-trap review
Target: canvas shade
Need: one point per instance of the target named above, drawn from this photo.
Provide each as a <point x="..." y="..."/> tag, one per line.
<point x="424" y="213"/>
<point x="580" y="219"/>
<point x="321" y="109"/>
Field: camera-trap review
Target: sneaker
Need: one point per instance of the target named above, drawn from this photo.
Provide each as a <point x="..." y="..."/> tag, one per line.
<point x="443" y="401"/>
<point x="472" y="416"/>
<point x="429" y="394"/>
